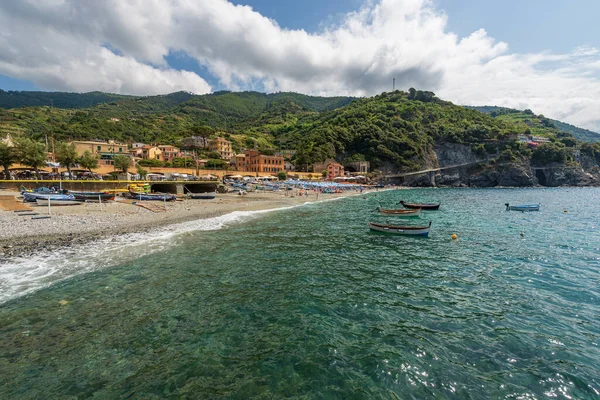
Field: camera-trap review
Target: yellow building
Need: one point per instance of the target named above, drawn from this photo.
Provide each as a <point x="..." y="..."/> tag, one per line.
<point x="152" y="153"/>
<point x="222" y="146"/>
<point x="105" y="151"/>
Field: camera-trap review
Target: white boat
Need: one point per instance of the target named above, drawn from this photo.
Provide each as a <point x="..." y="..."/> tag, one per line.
<point x="523" y="207"/>
<point x="66" y="200"/>
<point x="401" y="230"/>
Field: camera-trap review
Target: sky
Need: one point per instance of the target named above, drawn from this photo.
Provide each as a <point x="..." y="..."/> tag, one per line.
<point x="537" y="54"/>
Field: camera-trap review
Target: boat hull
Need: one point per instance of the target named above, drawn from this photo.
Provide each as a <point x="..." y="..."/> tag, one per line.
<point x="203" y="196"/>
<point x="31" y="197"/>
<point x="421" y="206"/>
<point x="93" y="196"/>
<point x="152" y="196"/>
<point x="58" y="202"/>
<point x="400" y="213"/>
<point x="401" y="230"/>
<point x="523" y="207"/>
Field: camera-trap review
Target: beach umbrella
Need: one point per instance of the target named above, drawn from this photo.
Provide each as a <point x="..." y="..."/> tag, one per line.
<point x="236" y="177"/>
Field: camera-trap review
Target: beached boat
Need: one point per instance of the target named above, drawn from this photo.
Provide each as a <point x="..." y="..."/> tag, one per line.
<point x="401" y="230"/>
<point x="152" y="196"/>
<point x="523" y="207"/>
<point x="400" y="213"/>
<point x="31" y="197"/>
<point x="93" y="196"/>
<point x="65" y="200"/>
<point x="203" y="196"/>
<point x="422" y="206"/>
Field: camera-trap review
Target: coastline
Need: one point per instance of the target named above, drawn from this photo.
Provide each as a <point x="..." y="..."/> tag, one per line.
<point x="72" y="225"/>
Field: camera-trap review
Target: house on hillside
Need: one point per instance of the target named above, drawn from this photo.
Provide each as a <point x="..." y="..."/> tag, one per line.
<point x="253" y="161"/>
<point x="222" y="146"/>
<point x="358" y="166"/>
<point x="106" y="151"/>
<point x="169" y="152"/>
<point x="152" y="153"/>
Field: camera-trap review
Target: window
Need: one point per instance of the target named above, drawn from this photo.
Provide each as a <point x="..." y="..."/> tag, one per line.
<point x="99" y="148"/>
<point x="120" y="149"/>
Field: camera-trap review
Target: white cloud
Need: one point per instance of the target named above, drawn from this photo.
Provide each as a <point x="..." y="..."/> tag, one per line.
<point x="61" y="44"/>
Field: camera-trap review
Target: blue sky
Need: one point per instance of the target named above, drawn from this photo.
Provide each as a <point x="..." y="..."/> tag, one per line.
<point x="537" y="54"/>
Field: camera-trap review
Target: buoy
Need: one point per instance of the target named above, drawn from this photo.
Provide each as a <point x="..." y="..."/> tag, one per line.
<point x="522" y="233"/>
<point x="566" y="211"/>
<point x="454" y="236"/>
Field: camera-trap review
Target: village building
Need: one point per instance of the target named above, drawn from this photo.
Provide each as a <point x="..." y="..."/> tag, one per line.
<point x="152" y="153"/>
<point x="169" y="152"/>
<point x="334" y="170"/>
<point x="137" y="145"/>
<point x="289" y="166"/>
<point x="222" y="146"/>
<point x="253" y="161"/>
<point x="106" y="151"/>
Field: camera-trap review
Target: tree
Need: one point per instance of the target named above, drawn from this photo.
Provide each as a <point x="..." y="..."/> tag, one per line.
<point x="31" y="153"/>
<point x="88" y="161"/>
<point x="324" y="174"/>
<point x="122" y="162"/>
<point x="141" y="171"/>
<point x="282" y="175"/>
<point x="7" y="158"/>
<point x="67" y="156"/>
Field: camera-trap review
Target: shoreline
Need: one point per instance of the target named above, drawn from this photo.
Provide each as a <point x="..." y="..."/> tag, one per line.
<point x="86" y="223"/>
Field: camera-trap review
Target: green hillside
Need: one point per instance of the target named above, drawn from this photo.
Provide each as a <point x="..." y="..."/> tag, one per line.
<point x="538" y="124"/>
<point x="15" y="99"/>
<point x="397" y="130"/>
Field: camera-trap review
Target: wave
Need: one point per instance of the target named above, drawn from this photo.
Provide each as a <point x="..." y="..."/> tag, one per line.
<point x="23" y="275"/>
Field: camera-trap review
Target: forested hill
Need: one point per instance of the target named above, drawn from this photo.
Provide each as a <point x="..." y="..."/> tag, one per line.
<point x="15" y="99"/>
<point x="528" y="118"/>
<point x="397" y="130"/>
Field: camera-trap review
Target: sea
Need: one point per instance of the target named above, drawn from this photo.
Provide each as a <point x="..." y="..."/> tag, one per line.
<point x="307" y="303"/>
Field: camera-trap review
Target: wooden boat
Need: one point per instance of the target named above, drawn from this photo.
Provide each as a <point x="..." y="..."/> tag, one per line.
<point x="400" y="213"/>
<point x="523" y="207"/>
<point x="203" y="196"/>
<point x="152" y="196"/>
<point x="401" y="230"/>
<point x="423" y="206"/>
<point x="66" y="200"/>
<point x="93" y="196"/>
<point x="31" y="197"/>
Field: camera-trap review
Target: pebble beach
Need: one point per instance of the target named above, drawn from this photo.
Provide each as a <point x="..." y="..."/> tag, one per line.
<point x="22" y="235"/>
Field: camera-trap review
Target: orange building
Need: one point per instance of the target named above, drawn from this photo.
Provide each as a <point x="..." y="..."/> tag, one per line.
<point x="106" y="151"/>
<point x="334" y="170"/>
<point x="169" y="152"/>
<point x="253" y="161"/>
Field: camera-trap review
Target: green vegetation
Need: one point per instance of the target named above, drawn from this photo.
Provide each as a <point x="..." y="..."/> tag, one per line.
<point x="16" y="99"/>
<point x="397" y="130"/>
<point x="122" y="163"/>
<point x="66" y="155"/>
<point x="7" y="158"/>
<point x="282" y="175"/>
<point x="88" y="161"/>
<point x="31" y="154"/>
<point x="538" y="124"/>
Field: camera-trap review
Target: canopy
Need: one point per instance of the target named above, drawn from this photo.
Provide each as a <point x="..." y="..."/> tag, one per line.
<point x="209" y="176"/>
<point x="236" y="177"/>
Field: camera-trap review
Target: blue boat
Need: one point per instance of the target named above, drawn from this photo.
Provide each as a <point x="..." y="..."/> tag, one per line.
<point x="31" y="197"/>
<point x="523" y="207"/>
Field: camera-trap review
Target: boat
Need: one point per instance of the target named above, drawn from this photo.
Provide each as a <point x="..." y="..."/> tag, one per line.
<point x="65" y="200"/>
<point x="202" y="196"/>
<point x="523" y="207"/>
<point x="31" y="197"/>
<point x="400" y="213"/>
<point x="401" y="230"/>
<point x="422" y="206"/>
<point x="93" y="196"/>
<point x="152" y="196"/>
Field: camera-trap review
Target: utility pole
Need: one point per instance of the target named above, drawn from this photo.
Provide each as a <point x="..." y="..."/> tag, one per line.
<point x="394" y="85"/>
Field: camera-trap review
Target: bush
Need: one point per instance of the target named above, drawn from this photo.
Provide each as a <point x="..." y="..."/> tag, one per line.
<point x="551" y="153"/>
<point x="215" y="164"/>
<point x="282" y="175"/>
<point x="150" y="163"/>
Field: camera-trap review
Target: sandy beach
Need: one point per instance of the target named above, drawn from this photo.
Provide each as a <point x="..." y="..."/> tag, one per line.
<point x="22" y="235"/>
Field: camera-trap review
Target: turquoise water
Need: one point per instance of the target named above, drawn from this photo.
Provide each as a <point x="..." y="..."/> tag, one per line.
<point x="308" y="303"/>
